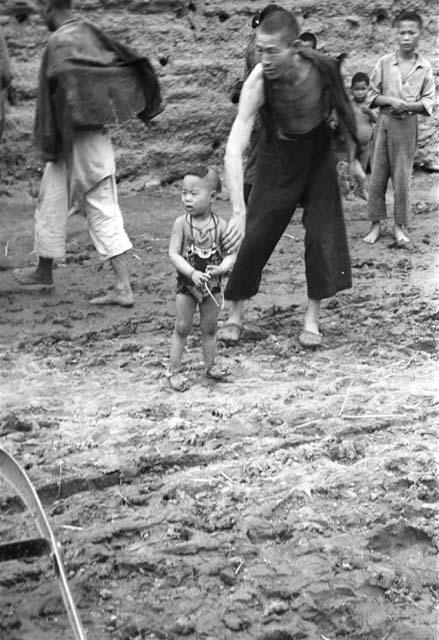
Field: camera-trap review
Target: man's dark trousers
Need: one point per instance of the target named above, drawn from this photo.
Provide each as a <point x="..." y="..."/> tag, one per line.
<point x="299" y="169"/>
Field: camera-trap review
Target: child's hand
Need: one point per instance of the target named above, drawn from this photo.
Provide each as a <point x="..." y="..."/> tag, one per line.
<point x="213" y="270"/>
<point x="366" y="110"/>
<point x="199" y="278"/>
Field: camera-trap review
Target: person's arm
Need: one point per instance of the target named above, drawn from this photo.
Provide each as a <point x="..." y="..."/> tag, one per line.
<point x="252" y="98"/>
<point x="370" y="114"/>
<point x="224" y="267"/>
<point x="425" y="104"/>
<point x="182" y="265"/>
<point x="375" y="96"/>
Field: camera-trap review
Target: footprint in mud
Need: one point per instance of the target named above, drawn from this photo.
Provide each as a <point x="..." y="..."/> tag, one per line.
<point x="346" y="452"/>
<point x="395" y="537"/>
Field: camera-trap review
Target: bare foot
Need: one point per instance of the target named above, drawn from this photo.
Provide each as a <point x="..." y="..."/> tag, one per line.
<point x="230" y="333"/>
<point x="178" y="381"/>
<point x="33" y="278"/>
<point x="374" y="234"/>
<point x="114" y="298"/>
<point x="215" y="372"/>
<point x="312" y="316"/>
<point x="399" y="235"/>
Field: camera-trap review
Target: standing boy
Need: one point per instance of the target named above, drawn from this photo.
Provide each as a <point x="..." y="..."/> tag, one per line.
<point x="402" y="85"/>
<point x="196" y="251"/>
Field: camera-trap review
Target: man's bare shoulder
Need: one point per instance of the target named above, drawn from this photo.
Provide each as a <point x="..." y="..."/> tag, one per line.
<point x="252" y="94"/>
<point x="255" y="78"/>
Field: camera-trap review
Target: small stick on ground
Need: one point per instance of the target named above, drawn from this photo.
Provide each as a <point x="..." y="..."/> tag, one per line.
<point x="371" y="416"/>
<point x="306" y="424"/>
<point x="346" y="398"/>
<point x="226" y="476"/>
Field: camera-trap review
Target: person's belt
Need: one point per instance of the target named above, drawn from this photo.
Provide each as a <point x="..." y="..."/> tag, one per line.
<point x="387" y="111"/>
<point x="301" y="136"/>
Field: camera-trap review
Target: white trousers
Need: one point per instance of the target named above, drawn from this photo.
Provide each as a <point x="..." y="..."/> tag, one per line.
<point x="85" y="183"/>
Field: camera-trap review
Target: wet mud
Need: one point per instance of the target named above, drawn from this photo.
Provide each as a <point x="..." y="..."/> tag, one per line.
<point x="295" y="501"/>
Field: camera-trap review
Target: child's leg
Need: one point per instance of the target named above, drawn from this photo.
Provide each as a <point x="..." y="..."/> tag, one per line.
<point x="185" y="307"/>
<point x="209" y="312"/>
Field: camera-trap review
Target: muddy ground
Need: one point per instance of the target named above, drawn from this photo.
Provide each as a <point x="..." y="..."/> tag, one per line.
<point x="296" y="501"/>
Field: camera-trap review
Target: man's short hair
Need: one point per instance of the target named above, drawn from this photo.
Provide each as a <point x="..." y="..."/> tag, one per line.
<point x="203" y="172"/>
<point x="412" y="16"/>
<point x="261" y="14"/>
<point x="281" y="22"/>
<point x="308" y="36"/>
<point x="360" y="76"/>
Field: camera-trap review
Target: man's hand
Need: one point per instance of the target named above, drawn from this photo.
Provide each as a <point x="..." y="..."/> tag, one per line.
<point x="397" y="105"/>
<point x="234" y="233"/>
<point x="199" y="278"/>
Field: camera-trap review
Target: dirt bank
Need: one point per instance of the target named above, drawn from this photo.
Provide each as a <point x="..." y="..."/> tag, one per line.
<point x="197" y="48"/>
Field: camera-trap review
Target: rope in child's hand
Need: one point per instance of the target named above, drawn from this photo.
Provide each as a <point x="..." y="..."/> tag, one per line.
<point x="220" y="306"/>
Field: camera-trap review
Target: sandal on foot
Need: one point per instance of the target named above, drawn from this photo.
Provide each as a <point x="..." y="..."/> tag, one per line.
<point x="230" y="333"/>
<point x="309" y="339"/>
<point x="215" y="372"/>
<point x="177" y="381"/>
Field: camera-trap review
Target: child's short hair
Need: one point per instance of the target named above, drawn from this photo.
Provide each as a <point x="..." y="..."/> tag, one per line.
<point x="212" y="175"/>
<point x="308" y="36"/>
<point x="413" y="16"/>
<point x="360" y="76"/>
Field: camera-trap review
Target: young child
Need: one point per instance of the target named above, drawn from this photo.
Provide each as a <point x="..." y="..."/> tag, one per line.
<point x="402" y="85"/>
<point x="196" y="251"/>
<point x="365" y="120"/>
<point x="308" y="39"/>
<point x="364" y="116"/>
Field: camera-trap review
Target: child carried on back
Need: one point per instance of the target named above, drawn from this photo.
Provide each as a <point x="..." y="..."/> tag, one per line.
<point x="196" y="251"/>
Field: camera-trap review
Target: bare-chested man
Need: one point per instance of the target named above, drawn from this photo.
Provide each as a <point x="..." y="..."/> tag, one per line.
<point x="294" y="90"/>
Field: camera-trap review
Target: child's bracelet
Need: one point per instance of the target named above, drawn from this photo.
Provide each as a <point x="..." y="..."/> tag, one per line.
<point x="192" y="273"/>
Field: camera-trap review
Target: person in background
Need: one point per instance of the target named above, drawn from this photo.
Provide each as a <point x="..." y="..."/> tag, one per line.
<point x="87" y="81"/>
<point x="401" y="86"/>
<point x="365" y="120"/>
<point x="5" y="78"/>
<point x="308" y="39"/>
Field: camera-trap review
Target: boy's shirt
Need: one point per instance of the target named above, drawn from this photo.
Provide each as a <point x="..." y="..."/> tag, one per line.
<point x="386" y="80"/>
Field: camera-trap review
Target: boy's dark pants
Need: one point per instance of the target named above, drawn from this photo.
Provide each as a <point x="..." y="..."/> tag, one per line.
<point x="288" y="172"/>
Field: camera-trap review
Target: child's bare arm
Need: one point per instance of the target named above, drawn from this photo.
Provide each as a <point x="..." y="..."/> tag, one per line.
<point x="224" y="267"/>
<point x="180" y="263"/>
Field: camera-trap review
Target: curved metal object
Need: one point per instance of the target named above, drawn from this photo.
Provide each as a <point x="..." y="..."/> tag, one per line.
<point x="15" y="475"/>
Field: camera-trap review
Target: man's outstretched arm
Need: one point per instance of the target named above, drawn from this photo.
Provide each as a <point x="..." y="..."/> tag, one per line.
<point x="252" y="98"/>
